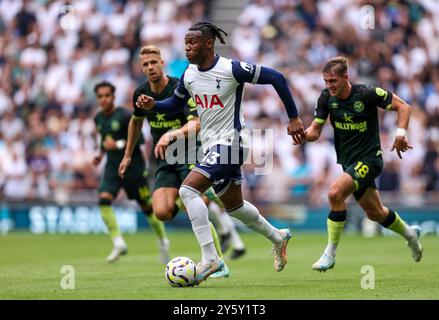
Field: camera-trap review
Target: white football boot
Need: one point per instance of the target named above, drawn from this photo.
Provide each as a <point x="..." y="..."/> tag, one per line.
<point x="116" y="253"/>
<point x="414" y="244"/>
<point x="204" y="270"/>
<point x="280" y="250"/>
<point x="326" y="262"/>
<point x="223" y="273"/>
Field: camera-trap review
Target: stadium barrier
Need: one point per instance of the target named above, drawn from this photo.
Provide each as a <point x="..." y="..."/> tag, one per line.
<point x="40" y="218"/>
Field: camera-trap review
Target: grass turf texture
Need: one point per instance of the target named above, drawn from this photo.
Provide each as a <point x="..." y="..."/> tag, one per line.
<point x="30" y="268"/>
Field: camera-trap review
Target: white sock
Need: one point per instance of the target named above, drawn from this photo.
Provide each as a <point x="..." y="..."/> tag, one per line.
<point x="218" y="218"/>
<point x="163" y="241"/>
<point x="119" y="242"/>
<point x="250" y="216"/>
<point x="198" y="214"/>
<point x="331" y="248"/>
<point x="208" y="253"/>
<point x="235" y="240"/>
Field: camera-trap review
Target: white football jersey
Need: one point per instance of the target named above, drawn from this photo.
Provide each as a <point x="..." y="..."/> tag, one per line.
<point x="218" y="92"/>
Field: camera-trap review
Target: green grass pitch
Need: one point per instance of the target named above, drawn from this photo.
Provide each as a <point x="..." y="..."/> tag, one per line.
<point x="30" y="268"/>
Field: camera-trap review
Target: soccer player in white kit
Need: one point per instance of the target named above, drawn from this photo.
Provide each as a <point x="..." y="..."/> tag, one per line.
<point x="216" y="85"/>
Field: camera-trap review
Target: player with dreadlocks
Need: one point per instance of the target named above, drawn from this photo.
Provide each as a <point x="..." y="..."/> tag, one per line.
<point x="216" y="85"/>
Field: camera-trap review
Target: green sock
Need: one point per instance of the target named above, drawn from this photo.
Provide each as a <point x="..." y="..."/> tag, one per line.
<point x="335" y="229"/>
<point x="157" y="226"/>
<point x="215" y="240"/>
<point x="110" y="221"/>
<point x="396" y="224"/>
<point x="335" y="224"/>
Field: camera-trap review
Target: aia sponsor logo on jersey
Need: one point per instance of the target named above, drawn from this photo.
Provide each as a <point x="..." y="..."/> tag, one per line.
<point x="208" y="102"/>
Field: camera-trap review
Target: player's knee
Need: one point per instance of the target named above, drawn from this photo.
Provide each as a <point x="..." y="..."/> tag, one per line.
<point x="163" y="214"/>
<point x="160" y="210"/>
<point x="335" y="196"/>
<point x="187" y="193"/>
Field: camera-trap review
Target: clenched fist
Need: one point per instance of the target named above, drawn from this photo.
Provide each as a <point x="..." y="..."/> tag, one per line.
<point x="145" y="102"/>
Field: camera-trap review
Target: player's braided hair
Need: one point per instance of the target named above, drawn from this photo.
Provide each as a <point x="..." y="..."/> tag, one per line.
<point x="210" y="29"/>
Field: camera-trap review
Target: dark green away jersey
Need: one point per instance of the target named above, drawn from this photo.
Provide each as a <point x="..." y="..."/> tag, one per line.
<point x="160" y="123"/>
<point x="116" y="126"/>
<point x="355" y="121"/>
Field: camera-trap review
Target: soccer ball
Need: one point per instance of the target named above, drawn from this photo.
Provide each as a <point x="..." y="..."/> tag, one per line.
<point x="181" y="272"/>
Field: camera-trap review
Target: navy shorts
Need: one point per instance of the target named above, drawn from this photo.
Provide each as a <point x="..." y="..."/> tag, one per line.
<point x="222" y="165"/>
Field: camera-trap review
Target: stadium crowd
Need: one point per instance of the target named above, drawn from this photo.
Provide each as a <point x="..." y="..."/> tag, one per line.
<point x="52" y="53"/>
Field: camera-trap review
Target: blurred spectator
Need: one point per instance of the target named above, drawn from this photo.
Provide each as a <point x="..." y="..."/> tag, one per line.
<point x="300" y="176"/>
<point x="11" y="126"/>
<point x="15" y="172"/>
<point x="413" y="187"/>
<point x="25" y="19"/>
<point x="389" y="178"/>
<point x="246" y="42"/>
<point x="273" y="187"/>
<point x="68" y="93"/>
<point x="433" y="182"/>
<point x="430" y="166"/>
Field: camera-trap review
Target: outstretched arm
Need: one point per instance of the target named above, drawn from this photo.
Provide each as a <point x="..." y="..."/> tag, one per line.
<point x="172" y="104"/>
<point x="134" y="131"/>
<point x="314" y="131"/>
<point x="244" y="72"/>
<point x="400" y="144"/>
<point x="278" y="81"/>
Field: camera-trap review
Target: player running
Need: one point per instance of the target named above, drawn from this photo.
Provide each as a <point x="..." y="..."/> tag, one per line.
<point x="112" y="124"/>
<point x="353" y="114"/>
<point x="216" y="85"/>
<point x="165" y="128"/>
